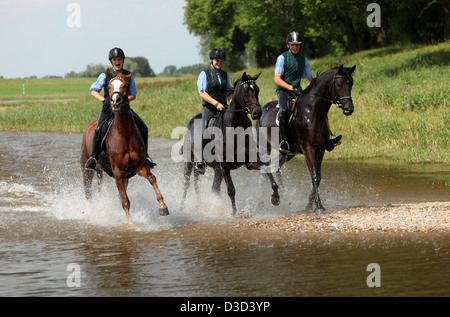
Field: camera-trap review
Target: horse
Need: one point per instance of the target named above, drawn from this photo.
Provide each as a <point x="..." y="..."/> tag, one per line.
<point x="124" y="149"/>
<point x="308" y="130"/>
<point x="225" y="154"/>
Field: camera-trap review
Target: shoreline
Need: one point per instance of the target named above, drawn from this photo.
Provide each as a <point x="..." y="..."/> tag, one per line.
<point x="425" y="217"/>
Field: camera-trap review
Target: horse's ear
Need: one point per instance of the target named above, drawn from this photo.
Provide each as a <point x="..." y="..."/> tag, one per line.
<point x="108" y="74"/>
<point x="244" y="76"/>
<point x="256" y="77"/>
<point x="352" y="69"/>
<point x="128" y="77"/>
<point x="340" y="69"/>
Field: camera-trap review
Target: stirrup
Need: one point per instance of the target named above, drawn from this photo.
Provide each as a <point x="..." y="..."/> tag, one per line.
<point x="284" y="147"/>
<point x="91" y="164"/>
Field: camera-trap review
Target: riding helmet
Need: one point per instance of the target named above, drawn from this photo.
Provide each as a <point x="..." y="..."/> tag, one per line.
<point x="293" y="38"/>
<point x="217" y="53"/>
<point x="116" y="52"/>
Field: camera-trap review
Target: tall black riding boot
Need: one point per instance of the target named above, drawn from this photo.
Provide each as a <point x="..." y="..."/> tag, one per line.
<point x="284" y="145"/>
<point x="91" y="164"/>
<point x="332" y="143"/>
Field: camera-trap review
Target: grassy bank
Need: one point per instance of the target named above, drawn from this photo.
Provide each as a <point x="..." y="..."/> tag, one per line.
<point x="401" y="97"/>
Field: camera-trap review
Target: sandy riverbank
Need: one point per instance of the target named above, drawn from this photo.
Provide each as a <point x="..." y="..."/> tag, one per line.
<point x="420" y="217"/>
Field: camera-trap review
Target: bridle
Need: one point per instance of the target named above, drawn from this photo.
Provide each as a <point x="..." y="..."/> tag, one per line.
<point x="123" y="96"/>
<point x="335" y="100"/>
<point x="247" y="107"/>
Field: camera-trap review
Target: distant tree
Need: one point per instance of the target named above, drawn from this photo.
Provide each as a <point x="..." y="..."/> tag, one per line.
<point x="139" y="66"/>
<point x="169" y="70"/>
<point x="172" y="70"/>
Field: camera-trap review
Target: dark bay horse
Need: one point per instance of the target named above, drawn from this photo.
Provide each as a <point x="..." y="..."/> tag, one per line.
<point x="309" y="130"/>
<point x="124" y="149"/>
<point x="232" y="146"/>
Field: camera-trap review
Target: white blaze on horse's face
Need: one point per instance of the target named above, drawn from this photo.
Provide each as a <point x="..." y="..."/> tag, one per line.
<point x="116" y="85"/>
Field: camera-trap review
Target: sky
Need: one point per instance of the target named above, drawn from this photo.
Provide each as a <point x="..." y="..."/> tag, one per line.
<point x="55" y="37"/>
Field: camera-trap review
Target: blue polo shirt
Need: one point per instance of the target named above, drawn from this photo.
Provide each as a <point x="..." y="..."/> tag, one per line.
<point x="202" y="82"/>
<point x="101" y="81"/>
<point x="279" y="67"/>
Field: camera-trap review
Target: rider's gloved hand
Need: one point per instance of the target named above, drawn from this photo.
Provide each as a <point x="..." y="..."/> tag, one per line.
<point x="106" y="102"/>
<point x="297" y="91"/>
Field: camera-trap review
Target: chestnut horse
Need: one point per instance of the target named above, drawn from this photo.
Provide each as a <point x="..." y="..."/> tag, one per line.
<point x="308" y="130"/>
<point x="123" y="153"/>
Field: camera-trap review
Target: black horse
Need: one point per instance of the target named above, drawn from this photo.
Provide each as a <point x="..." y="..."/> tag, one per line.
<point x="308" y="130"/>
<point x="232" y="145"/>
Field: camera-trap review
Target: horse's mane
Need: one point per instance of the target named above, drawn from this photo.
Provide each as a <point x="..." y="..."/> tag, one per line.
<point x="319" y="74"/>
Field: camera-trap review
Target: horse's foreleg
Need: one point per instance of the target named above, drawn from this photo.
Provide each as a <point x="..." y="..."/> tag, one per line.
<point x="230" y="186"/>
<point x="88" y="175"/>
<point x="145" y="172"/>
<point x="121" y="184"/>
<point x="187" y="180"/>
<point x="99" y="179"/>
<point x="312" y="157"/>
<point x="218" y="178"/>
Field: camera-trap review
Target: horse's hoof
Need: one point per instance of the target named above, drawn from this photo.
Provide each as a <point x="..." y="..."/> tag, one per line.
<point x="321" y="211"/>
<point x="275" y="200"/>
<point x="163" y="211"/>
<point x="308" y="208"/>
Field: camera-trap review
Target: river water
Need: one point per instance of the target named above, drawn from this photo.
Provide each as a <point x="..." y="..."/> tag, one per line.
<point x="52" y="245"/>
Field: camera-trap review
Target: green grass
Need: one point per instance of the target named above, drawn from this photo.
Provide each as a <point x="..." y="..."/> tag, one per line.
<point x="401" y="98"/>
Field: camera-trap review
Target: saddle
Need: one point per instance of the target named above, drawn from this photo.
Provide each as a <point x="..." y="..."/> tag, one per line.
<point x="215" y="121"/>
<point x="291" y="111"/>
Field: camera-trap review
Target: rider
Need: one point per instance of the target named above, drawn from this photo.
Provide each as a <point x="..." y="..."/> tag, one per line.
<point x="214" y="87"/>
<point x="116" y="57"/>
<point x="290" y="68"/>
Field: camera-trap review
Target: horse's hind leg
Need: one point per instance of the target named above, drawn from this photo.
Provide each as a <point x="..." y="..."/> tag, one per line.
<point x="275" y="195"/>
<point x="145" y="172"/>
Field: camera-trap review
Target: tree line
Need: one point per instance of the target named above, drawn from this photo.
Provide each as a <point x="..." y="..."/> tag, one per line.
<point x="139" y="66"/>
<point x="173" y="71"/>
<point x="253" y="32"/>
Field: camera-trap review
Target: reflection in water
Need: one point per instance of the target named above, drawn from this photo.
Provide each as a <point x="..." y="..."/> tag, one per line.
<point x="45" y="224"/>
